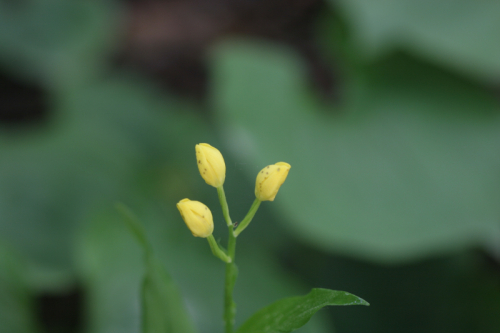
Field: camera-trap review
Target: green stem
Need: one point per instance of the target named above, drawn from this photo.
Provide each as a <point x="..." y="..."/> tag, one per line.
<point x="231" y="269"/>
<point x="223" y="203"/>
<point x="217" y="251"/>
<point x="246" y="221"/>
<point x="231" y="274"/>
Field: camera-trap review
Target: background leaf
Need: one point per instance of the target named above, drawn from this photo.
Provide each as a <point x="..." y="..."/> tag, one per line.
<point x="55" y="43"/>
<point x="459" y="34"/>
<point x="163" y="310"/>
<point x="16" y="305"/>
<point x="162" y="305"/>
<point x="407" y="167"/>
<point x="288" y="314"/>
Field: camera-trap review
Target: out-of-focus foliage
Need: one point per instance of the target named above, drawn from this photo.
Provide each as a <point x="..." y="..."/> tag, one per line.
<point x="408" y="166"/>
<point x="403" y="168"/>
<point x="55" y="42"/>
<point x="16" y="306"/>
<point x="458" y="34"/>
<point x="162" y="307"/>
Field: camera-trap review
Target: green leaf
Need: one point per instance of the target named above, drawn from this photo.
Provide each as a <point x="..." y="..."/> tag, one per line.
<point x="407" y="167"/>
<point x="289" y="314"/>
<point x="17" y="306"/>
<point x="112" y="273"/>
<point x="162" y="304"/>
<point x="134" y="226"/>
<point x="460" y="34"/>
<point x="57" y="42"/>
<point x="458" y="293"/>
<point x="163" y="309"/>
<point x="99" y="138"/>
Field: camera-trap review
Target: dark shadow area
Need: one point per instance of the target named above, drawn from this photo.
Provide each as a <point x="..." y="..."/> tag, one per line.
<point x="21" y="104"/>
<point x="61" y="313"/>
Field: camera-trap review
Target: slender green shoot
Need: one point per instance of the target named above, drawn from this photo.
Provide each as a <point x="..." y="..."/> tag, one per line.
<point x="217" y="251"/>
<point x="248" y="218"/>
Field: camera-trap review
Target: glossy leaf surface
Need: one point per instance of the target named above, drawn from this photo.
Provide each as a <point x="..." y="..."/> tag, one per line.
<point x="289" y="314"/>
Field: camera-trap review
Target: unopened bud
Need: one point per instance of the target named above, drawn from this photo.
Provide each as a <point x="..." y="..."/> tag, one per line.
<point x="211" y="164"/>
<point x="197" y="216"/>
<point x="270" y="179"/>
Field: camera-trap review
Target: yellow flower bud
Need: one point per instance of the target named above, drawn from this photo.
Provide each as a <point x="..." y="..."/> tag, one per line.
<point x="211" y="164"/>
<point x="197" y="216"/>
<point x="270" y="179"/>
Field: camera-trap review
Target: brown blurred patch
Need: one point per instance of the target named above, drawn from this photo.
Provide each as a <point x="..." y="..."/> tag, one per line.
<point x="168" y="39"/>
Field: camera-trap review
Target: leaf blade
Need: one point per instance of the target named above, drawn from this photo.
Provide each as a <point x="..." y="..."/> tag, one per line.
<point x="162" y="305"/>
<point x="398" y="172"/>
<point x="163" y="309"/>
<point x="133" y="225"/>
<point x="289" y="314"/>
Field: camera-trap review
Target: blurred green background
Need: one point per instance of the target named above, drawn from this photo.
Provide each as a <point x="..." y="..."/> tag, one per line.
<point x="387" y="110"/>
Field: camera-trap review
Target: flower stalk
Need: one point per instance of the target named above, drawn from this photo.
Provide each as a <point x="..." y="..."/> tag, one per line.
<point x="231" y="275"/>
<point x="231" y="269"/>
<point x="199" y="220"/>
<point x="217" y="251"/>
<point x="248" y="218"/>
<point x="225" y="208"/>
